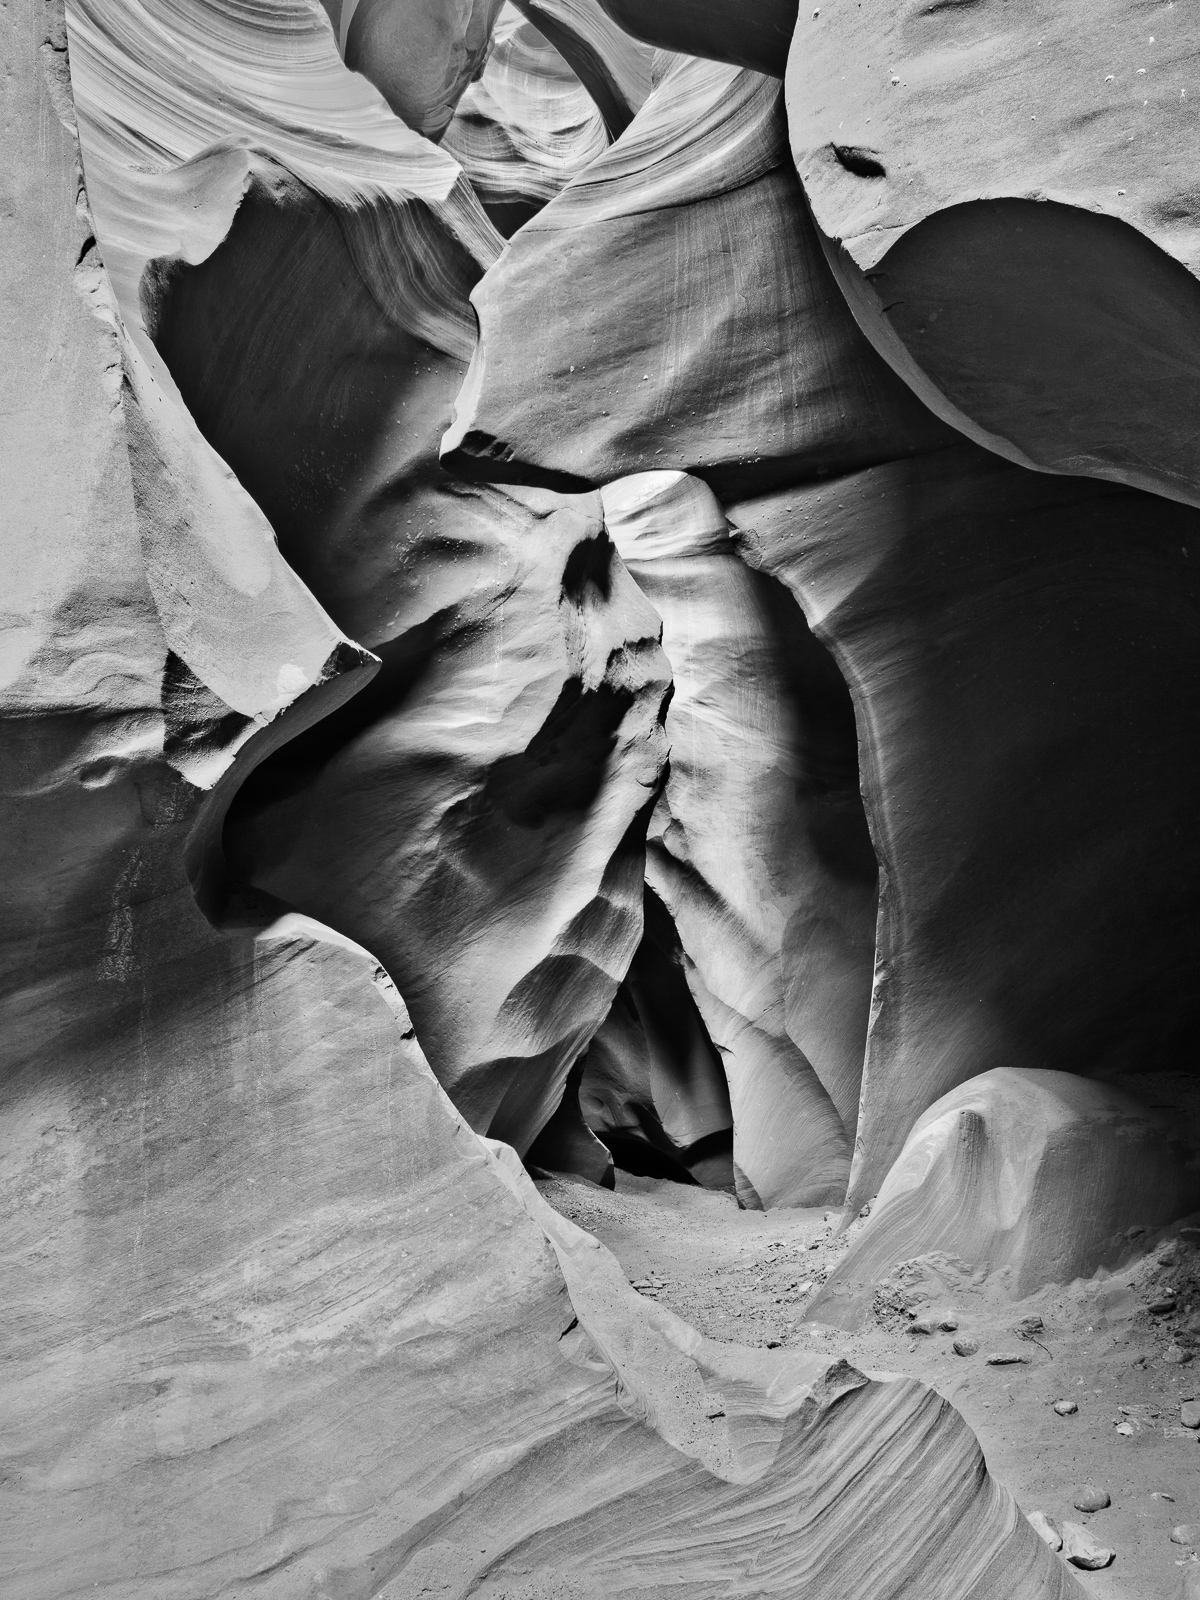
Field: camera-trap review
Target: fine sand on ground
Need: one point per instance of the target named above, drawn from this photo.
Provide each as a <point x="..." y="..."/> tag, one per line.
<point x="744" y="1276"/>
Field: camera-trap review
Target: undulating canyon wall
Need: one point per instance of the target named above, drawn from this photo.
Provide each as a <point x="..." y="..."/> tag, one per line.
<point x="573" y="605"/>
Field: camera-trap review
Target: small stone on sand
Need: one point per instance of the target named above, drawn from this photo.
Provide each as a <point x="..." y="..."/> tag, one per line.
<point x="1189" y="1414"/>
<point x="1186" y="1533"/>
<point x="1089" y="1498"/>
<point x="1066" y="1408"/>
<point x="1082" y="1550"/>
<point x="1006" y="1358"/>
<point x="966" y="1346"/>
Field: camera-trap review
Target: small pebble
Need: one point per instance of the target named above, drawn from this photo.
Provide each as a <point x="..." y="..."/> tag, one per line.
<point x="1065" y="1408"/>
<point x="1089" y="1498"/>
<point x="1082" y="1550"/>
<point x="1189" y="1414"/>
<point x="948" y="1324"/>
<point x="1006" y="1358"/>
<point x="1028" y="1325"/>
<point x="966" y="1346"/>
<point x="1186" y="1533"/>
<point x="1177" y="1355"/>
<point x="1045" y="1529"/>
<point x="1161" y="1304"/>
<point x="922" y="1325"/>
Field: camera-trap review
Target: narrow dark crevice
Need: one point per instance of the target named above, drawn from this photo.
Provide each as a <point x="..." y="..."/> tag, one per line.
<point x="650" y="1088"/>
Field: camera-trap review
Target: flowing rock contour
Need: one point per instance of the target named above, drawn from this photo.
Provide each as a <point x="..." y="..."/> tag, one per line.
<point x="249" y="1244"/>
<point x="1010" y="206"/>
<point x="672" y="308"/>
<point x="759" y="847"/>
<point x="1022" y="654"/>
<point x="1034" y="1173"/>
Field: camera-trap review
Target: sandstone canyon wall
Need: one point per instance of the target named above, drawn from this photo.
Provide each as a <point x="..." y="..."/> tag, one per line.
<point x="562" y="609"/>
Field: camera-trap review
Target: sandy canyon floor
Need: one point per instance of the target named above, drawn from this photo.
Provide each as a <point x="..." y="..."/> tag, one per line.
<point x="746" y="1276"/>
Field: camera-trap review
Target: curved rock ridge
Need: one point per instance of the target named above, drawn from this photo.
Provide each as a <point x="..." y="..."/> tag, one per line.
<point x="618" y="70"/>
<point x="479" y="822"/>
<point x="1034" y="1176"/>
<point x="753" y="33"/>
<point x="759" y="846"/>
<point x="672" y="308"/>
<point x="183" y="106"/>
<point x="1016" y="220"/>
<point x="525" y="127"/>
<point x="420" y="54"/>
<point x="155" y="642"/>
<point x="1022" y="652"/>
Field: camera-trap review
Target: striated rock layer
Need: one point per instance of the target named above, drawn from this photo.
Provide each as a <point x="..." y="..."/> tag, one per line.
<point x="1022" y="654"/>
<point x="525" y="127"/>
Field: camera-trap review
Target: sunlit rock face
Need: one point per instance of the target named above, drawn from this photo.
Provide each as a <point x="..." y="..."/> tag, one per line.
<point x="525" y="127"/>
<point x="759" y="847"/>
<point x="672" y="308"/>
<point x="1015" y="205"/>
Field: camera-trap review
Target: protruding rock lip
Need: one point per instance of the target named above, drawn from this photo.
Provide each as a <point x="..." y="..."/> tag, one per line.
<point x="752" y="33"/>
<point x="478" y="457"/>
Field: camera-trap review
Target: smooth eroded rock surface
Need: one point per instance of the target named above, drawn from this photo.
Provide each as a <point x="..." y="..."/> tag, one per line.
<point x="1021" y="651"/>
<point x="1017" y="217"/>
<point x="1036" y="1174"/>
<point x="759" y="846"/>
<point x="672" y="308"/>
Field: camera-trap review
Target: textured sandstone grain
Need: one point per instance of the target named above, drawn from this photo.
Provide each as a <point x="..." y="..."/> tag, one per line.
<point x="525" y="127"/>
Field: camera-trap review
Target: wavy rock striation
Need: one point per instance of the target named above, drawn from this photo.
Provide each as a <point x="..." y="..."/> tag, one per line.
<point x="759" y="847"/>
<point x="618" y="70"/>
<point x="183" y="109"/>
<point x="1022" y="654"/>
<point x="1032" y="1175"/>
<point x="525" y="127"/>
<point x="1016" y="210"/>
<point x="672" y="308"/>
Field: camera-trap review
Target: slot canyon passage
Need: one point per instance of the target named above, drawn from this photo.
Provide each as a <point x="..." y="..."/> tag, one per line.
<point x="600" y="747"/>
